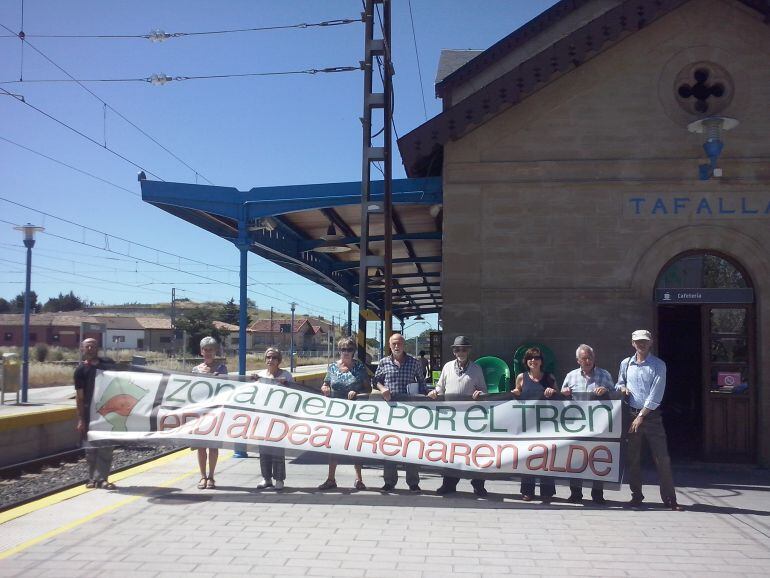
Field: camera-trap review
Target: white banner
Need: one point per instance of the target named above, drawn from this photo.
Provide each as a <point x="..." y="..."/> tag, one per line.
<point x="568" y="439"/>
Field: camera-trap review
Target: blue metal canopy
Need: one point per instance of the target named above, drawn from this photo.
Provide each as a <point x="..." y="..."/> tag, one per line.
<point x="285" y="224"/>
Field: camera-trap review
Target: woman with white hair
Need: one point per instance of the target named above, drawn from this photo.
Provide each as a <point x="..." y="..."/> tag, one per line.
<point x="345" y="379"/>
<point x="272" y="461"/>
<point x="209" y="347"/>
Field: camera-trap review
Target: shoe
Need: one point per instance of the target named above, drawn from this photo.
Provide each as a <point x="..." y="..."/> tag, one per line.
<point x="108" y="486"/>
<point x="240" y="455"/>
<point x="90" y="484"/>
<point x="202" y="483"/>
<point x="210" y="484"/>
<point x="527" y="498"/>
<point x="672" y="505"/>
<point x="279" y="485"/>
<point x="328" y="485"/>
<point x="265" y="483"/>
<point x="633" y="503"/>
<point x="575" y="499"/>
<point x="598" y="500"/>
<point x="546" y="499"/>
<point x="415" y="488"/>
<point x="442" y="490"/>
<point x="388" y="488"/>
<point x="360" y="486"/>
<point x="480" y="491"/>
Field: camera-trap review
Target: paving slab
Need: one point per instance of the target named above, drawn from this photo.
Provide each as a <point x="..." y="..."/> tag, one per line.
<point x="159" y="524"/>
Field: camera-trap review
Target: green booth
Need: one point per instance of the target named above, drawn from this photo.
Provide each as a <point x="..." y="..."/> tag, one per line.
<point x="496" y="374"/>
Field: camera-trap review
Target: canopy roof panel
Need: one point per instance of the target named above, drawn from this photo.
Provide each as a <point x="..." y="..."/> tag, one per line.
<point x="285" y="224"/>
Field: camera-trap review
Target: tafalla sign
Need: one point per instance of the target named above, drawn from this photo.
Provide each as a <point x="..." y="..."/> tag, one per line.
<point x="575" y="439"/>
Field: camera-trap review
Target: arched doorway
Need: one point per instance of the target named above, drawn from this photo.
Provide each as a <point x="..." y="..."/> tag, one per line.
<point x="706" y="335"/>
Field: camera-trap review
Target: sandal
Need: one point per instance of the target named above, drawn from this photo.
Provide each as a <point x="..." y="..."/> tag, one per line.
<point x="210" y="485"/>
<point x="202" y="483"/>
<point x="108" y="486"/>
<point x="328" y="485"/>
<point x="360" y="486"/>
<point x="90" y="484"/>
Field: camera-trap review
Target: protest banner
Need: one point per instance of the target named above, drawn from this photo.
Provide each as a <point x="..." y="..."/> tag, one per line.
<point x="574" y="439"/>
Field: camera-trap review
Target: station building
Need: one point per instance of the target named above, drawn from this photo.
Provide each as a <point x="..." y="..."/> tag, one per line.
<point x="575" y="209"/>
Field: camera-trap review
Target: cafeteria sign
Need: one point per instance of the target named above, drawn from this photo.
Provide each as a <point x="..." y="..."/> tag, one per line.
<point x="672" y="295"/>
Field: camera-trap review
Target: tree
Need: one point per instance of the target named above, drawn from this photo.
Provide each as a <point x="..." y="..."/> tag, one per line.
<point x="68" y="302"/>
<point x="17" y="303"/>
<point x="5" y="306"/>
<point x="198" y="323"/>
<point x="230" y="313"/>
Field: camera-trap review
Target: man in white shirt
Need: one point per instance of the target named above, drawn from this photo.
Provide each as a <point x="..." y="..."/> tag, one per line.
<point x="642" y="379"/>
<point x="461" y="377"/>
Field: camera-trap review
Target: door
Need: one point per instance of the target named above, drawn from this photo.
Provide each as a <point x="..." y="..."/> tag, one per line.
<point x="680" y="346"/>
<point x="729" y="383"/>
<point x="706" y="320"/>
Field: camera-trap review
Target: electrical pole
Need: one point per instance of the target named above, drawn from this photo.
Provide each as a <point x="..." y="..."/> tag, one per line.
<point x="291" y="352"/>
<point x="375" y="48"/>
<point x="173" y="321"/>
<point x="272" y="338"/>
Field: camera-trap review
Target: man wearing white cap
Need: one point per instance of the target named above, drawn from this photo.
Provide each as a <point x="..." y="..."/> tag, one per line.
<point x="642" y="379"/>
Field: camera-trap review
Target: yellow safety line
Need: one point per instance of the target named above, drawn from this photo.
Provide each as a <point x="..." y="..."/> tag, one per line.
<point x="61" y="529"/>
<point x="50" y="500"/>
<point x="58" y="497"/>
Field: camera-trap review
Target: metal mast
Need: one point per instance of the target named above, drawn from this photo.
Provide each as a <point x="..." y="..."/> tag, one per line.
<point x="376" y="50"/>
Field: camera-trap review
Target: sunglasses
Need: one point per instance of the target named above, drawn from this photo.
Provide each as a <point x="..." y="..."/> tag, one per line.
<point x="347" y="349"/>
<point x="272" y="357"/>
<point x="536" y="358"/>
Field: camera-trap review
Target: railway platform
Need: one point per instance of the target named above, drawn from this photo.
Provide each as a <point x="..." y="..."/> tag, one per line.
<point x="158" y="524"/>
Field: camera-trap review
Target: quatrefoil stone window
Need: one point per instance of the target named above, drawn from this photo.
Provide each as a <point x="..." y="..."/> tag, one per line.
<point x="703" y="88"/>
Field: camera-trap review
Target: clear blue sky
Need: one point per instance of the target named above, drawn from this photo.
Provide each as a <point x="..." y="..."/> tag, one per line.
<point x="240" y="132"/>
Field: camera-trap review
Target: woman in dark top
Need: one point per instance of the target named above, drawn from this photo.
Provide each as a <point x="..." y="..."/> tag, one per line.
<point x="535" y="384"/>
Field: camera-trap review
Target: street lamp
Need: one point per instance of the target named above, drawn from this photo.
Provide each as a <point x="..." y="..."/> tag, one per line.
<point x="417" y="338"/>
<point x="29" y="242"/>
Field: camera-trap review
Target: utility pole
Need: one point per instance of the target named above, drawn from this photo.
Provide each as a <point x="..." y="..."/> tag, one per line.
<point x="173" y="321"/>
<point x="334" y="339"/>
<point x="272" y="338"/>
<point x="291" y="352"/>
<point x="374" y="49"/>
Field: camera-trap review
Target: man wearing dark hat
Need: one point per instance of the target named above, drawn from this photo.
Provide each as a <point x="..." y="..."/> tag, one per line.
<point x="460" y="377"/>
<point x="642" y="379"/>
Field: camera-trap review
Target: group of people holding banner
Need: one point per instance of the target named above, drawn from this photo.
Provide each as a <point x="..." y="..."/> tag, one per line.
<point x="641" y="380"/>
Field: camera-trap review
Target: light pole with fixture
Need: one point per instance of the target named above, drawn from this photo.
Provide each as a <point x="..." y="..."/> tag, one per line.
<point x="417" y="320"/>
<point x="29" y="242"/>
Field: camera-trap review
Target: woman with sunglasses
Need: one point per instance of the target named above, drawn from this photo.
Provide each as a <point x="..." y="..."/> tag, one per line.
<point x="345" y="379"/>
<point x="272" y="461"/>
<point x="534" y="383"/>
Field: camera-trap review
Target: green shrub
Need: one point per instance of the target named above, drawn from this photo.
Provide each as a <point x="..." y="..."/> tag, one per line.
<point x="41" y="352"/>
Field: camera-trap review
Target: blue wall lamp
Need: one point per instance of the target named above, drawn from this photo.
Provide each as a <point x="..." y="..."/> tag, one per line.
<point x="712" y="127"/>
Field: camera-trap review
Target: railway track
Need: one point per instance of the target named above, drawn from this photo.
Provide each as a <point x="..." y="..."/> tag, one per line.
<point x="31" y="480"/>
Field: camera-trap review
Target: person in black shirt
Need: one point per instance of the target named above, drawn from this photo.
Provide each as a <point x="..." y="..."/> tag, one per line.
<point x="99" y="458"/>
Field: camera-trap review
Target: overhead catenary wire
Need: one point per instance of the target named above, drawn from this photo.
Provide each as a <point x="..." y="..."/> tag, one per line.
<point x="417" y="56"/>
<point x="106" y="248"/>
<point x="69" y="166"/>
<point x="85" y="136"/>
<point x="160" y="79"/>
<point x="107" y="105"/>
<point x="159" y="35"/>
